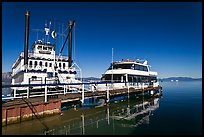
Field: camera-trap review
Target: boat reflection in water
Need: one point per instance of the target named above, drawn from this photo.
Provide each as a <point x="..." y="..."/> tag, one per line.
<point x="121" y="116"/>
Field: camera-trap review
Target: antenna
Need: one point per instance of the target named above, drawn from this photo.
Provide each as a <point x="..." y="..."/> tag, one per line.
<point x="112" y="67"/>
<point x="49" y="31"/>
<point x="45" y="30"/>
<point x="74" y="42"/>
<point x="37" y="30"/>
<point x="61" y="34"/>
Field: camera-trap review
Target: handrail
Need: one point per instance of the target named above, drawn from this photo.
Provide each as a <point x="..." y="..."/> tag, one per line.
<point x="35" y="85"/>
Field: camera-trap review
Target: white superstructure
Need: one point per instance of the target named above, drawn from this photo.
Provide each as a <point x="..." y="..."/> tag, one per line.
<point x="130" y="73"/>
<point x="41" y="65"/>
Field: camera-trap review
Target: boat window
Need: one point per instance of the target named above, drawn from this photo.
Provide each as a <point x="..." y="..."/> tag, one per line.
<point x="44" y="48"/>
<point x="141" y="68"/>
<point x="63" y="65"/>
<point x="139" y="79"/>
<point x="40" y="63"/>
<point x="110" y="77"/>
<point x="137" y="67"/>
<point x="36" y="63"/>
<point x="50" y="64"/>
<point x="34" y="77"/>
<point x="60" y="65"/>
<point x="50" y="48"/>
<point x="45" y="64"/>
<point x="40" y="47"/>
<point x="49" y="74"/>
<point x="145" y="68"/>
<point x="153" y="79"/>
<point x="31" y="63"/>
<point x="121" y="66"/>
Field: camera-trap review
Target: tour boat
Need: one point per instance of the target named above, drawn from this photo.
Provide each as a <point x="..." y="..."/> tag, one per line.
<point x="41" y="65"/>
<point x="130" y="73"/>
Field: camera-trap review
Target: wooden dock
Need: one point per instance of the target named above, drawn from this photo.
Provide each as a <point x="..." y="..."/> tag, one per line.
<point x="21" y="109"/>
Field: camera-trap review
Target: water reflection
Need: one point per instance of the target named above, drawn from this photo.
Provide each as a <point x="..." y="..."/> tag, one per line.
<point x="120" y="116"/>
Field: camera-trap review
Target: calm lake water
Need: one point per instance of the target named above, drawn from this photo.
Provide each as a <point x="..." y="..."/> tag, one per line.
<point x="177" y="111"/>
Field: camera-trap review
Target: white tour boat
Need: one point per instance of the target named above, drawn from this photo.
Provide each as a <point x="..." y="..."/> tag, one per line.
<point x="136" y="74"/>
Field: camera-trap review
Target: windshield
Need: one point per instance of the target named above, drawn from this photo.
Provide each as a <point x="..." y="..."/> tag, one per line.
<point x="129" y="66"/>
<point x="122" y="66"/>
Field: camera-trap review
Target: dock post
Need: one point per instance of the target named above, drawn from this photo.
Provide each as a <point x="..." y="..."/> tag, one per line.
<point x="82" y="101"/>
<point x="64" y="89"/>
<point x="143" y="85"/>
<point x="107" y="91"/>
<point x="27" y="92"/>
<point x="14" y="93"/>
<point x="128" y="88"/>
<point x="45" y="93"/>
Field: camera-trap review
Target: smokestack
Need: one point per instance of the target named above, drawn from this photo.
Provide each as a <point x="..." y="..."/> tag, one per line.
<point x="70" y="44"/>
<point x="26" y="38"/>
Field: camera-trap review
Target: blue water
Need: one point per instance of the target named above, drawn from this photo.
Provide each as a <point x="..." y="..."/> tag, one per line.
<point x="178" y="112"/>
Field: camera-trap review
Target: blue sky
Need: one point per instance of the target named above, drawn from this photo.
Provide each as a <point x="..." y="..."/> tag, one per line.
<point x="168" y="35"/>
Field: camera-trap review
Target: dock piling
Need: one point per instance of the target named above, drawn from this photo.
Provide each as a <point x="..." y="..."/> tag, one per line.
<point x="128" y="88"/>
<point x="14" y="93"/>
<point x="46" y="93"/>
<point x="64" y="89"/>
<point x="27" y="92"/>
<point x="82" y="101"/>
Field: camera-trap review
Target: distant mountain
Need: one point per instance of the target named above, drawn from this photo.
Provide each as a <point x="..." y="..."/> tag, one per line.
<point x="6" y="77"/>
<point x="180" y="79"/>
<point x="6" y="80"/>
<point x="90" y="79"/>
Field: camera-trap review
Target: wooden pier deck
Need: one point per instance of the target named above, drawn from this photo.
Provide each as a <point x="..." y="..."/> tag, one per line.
<point x="18" y="110"/>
